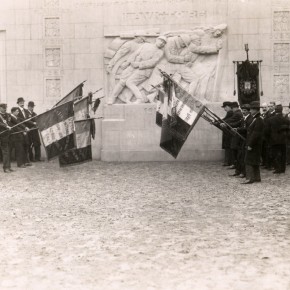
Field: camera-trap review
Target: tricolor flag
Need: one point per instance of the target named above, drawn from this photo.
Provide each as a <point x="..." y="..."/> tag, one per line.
<point x="83" y="151"/>
<point x="56" y="128"/>
<point x="180" y="113"/>
<point x="72" y="96"/>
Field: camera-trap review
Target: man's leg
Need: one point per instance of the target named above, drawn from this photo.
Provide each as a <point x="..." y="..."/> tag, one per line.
<point x="283" y="157"/>
<point x="117" y="90"/>
<point x="133" y="81"/>
<point x="6" y="155"/>
<point x="257" y="174"/>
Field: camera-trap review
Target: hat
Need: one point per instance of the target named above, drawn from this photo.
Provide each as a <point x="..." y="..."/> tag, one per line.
<point x="185" y="38"/>
<point x="20" y="100"/>
<point x="279" y="108"/>
<point x="162" y="37"/>
<point x="2" y="105"/>
<point x="234" y="105"/>
<point x="226" y="104"/>
<point x="246" y="107"/>
<point x="30" y="104"/>
<point x="255" y="105"/>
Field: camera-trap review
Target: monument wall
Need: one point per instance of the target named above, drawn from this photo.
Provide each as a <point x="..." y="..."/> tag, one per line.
<point x="47" y="47"/>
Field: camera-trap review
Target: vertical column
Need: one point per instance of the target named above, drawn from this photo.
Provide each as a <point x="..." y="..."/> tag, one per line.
<point x="281" y="50"/>
<point x="52" y="51"/>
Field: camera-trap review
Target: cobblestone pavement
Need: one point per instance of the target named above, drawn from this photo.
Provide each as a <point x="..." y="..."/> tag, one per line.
<point x="143" y="226"/>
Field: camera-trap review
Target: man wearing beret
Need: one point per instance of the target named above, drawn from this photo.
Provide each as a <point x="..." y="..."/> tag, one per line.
<point x="276" y="130"/>
<point x="34" y="140"/>
<point x="5" y="129"/>
<point x="254" y="145"/>
<point x="226" y="137"/>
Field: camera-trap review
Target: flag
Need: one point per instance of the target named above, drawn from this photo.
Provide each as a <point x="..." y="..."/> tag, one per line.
<point x="72" y="96"/>
<point x="180" y="113"/>
<point x="56" y="129"/>
<point x="83" y="126"/>
<point x="83" y="151"/>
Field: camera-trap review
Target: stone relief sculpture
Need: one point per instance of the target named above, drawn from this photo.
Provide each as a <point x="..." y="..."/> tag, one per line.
<point x="190" y="56"/>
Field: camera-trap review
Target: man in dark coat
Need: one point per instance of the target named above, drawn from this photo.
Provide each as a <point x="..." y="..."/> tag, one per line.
<point x="22" y="116"/>
<point x="269" y="158"/>
<point x="242" y="130"/>
<point x="34" y="140"/>
<point x="234" y="122"/>
<point x="254" y="145"/>
<point x="226" y="137"/>
<point x="5" y="129"/>
<point x="276" y="130"/>
<point x="17" y="138"/>
<point x="288" y="138"/>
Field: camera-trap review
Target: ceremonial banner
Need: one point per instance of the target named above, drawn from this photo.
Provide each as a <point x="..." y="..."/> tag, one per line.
<point x="56" y="129"/>
<point x="83" y="151"/>
<point x="72" y="96"/>
<point x="248" y="82"/>
<point x="180" y="113"/>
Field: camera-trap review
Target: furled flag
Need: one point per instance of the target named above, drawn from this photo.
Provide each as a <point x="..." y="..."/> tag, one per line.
<point x="56" y="129"/>
<point x="83" y="151"/>
<point x="180" y="113"/>
<point x="72" y="96"/>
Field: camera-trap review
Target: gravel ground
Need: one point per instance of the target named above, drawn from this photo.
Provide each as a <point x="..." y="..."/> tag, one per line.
<point x="143" y="226"/>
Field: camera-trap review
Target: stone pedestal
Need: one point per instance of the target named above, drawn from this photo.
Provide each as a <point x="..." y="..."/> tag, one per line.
<point x="129" y="133"/>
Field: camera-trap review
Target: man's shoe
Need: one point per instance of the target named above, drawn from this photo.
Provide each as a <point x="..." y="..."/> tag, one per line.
<point x="22" y="166"/>
<point x="226" y="164"/>
<point x="277" y="172"/>
<point x="11" y="170"/>
<point x="28" y="164"/>
<point x="39" y="160"/>
<point x="248" y="182"/>
<point x="242" y="175"/>
<point x="235" y="174"/>
<point x="6" y="170"/>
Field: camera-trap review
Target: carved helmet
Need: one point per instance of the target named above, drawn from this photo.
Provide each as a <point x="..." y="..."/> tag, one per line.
<point x="163" y="38"/>
<point x="185" y="38"/>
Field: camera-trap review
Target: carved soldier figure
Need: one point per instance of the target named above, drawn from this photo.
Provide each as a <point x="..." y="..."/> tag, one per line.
<point x="126" y="48"/>
<point x="139" y="68"/>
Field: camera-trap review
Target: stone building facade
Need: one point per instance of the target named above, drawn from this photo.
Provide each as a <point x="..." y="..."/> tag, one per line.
<point x="47" y="47"/>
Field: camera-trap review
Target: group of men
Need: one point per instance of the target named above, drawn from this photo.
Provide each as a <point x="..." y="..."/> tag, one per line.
<point x="18" y="131"/>
<point x="252" y="139"/>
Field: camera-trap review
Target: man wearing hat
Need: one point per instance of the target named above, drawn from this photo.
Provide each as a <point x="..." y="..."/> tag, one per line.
<point x="22" y="116"/>
<point x="254" y="145"/>
<point x="276" y="130"/>
<point x="242" y="130"/>
<point x="33" y="135"/>
<point x="5" y="129"/>
<point x="226" y="137"/>
<point x="235" y="121"/>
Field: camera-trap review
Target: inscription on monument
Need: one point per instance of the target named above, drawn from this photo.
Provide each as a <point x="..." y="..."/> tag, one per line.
<point x="53" y="88"/>
<point x="52" y="27"/>
<point x="51" y="3"/>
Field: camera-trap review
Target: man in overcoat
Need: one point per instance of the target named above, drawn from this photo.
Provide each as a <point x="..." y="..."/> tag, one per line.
<point x="276" y="130"/>
<point x="226" y="137"/>
<point x="254" y="145"/>
<point x="5" y="129"/>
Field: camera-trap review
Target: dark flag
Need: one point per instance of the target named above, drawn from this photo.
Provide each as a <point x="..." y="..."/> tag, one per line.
<point x="180" y="113"/>
<point x="72" y="96"/>
<point x="83" y="151"/>
<point x="248" y="82"/>
<point x="83" y="127"/>
<point x="56" y="129"/>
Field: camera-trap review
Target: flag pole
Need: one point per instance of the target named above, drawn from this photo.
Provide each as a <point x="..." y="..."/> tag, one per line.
<point x="18" y="124"/>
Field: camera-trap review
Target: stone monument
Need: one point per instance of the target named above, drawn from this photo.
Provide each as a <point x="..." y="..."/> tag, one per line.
<point x="190" y="56"/>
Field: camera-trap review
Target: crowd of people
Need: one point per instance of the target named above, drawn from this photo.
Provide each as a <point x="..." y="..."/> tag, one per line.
<point x="19" y="135"/>
<point x="254" y="139"/>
